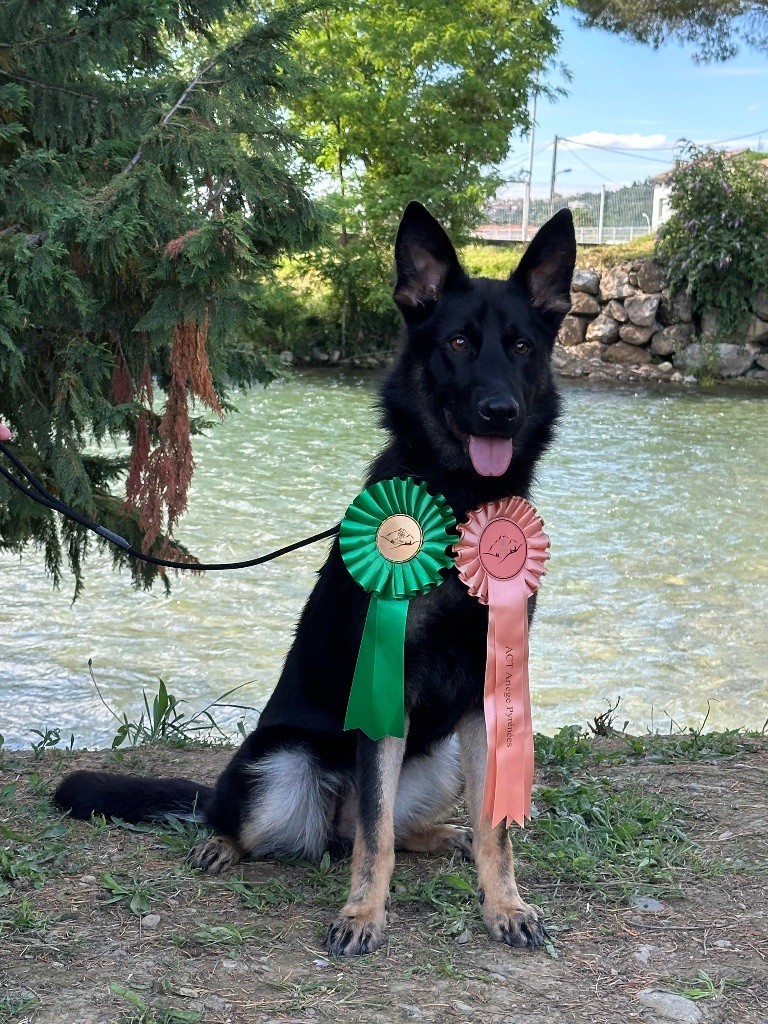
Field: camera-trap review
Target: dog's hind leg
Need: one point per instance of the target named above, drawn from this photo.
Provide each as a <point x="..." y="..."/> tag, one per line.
<point x="429" y="788"/>
<point x="281" y="803"/>
<point x="508" y="918"/>
<point x="359" y="928"/>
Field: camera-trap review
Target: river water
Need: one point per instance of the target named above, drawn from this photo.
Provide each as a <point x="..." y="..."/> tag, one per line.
<point x="657" y="592"/>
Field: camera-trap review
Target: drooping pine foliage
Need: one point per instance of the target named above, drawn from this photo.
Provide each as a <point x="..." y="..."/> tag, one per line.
<point x="147" y="178"/>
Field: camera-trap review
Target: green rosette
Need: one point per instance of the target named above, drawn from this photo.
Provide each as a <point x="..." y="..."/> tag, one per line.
<point x="395" y="540"/>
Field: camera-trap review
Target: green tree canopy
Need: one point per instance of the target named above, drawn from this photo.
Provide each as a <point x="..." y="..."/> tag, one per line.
<point x="146" y="178"/>
<point x="411" y="100"/>
<point x="716" y="27"/>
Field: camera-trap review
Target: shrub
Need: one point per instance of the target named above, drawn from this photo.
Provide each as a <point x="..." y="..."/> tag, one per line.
<point x="716" y="242"/>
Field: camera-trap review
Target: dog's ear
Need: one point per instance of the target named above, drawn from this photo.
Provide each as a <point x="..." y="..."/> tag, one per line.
<point x="426" y="263"/>
<point x="546" y="269"/>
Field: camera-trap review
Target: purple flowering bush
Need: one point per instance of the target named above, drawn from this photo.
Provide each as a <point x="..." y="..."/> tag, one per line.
<point x="715" y="245"/>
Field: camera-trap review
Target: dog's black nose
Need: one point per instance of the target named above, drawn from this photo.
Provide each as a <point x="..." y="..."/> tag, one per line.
<point x="499" y="411"/>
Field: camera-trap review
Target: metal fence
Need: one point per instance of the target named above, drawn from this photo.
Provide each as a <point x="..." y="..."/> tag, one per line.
<point x="601" y="218"/>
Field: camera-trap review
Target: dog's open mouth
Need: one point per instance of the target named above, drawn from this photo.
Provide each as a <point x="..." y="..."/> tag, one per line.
<point x="490" y="456"/>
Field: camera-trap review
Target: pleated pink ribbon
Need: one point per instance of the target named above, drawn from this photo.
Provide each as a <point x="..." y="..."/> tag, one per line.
<point x="501" y="558"/>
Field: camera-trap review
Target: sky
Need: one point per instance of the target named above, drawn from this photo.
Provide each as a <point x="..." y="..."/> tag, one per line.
<point x="628" y="96"/>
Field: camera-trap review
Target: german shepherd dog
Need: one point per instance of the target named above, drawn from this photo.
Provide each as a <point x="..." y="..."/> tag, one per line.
<point x="470" y="406"/>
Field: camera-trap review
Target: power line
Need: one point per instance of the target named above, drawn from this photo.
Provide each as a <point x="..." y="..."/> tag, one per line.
<point x="599" y="174"/>
<point x="739" y="138"/>
<point x="618" y="152"/>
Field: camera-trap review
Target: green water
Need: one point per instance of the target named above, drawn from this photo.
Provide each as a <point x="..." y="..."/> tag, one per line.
<point x="656" y="503"/>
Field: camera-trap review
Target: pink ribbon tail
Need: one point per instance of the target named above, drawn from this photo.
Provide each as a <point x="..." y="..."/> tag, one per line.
<point x="507" y="703"/>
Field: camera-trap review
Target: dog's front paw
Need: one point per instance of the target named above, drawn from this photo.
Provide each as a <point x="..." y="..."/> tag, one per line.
<point x="353" y="936"/>
<point x="216" y="854"/>
<point x="517" y="925"/>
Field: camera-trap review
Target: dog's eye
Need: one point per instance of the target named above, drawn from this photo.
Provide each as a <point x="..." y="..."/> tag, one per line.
<point x="458" y="344"/>
<point x="521" y="347"/>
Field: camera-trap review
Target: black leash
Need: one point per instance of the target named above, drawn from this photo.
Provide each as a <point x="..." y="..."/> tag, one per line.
<point x="38" y="492"/>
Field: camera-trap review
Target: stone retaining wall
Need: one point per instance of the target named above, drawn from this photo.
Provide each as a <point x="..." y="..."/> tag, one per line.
<point x="625" y="322"/>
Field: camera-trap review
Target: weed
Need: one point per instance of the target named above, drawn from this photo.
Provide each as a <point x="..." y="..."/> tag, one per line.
<point x="49" y="738"/>
<point x="569" y="748"/>
<point x="261" y="896"/>
<point x="705" y="987"/>
<point x="163" y="721"/>
<point x="137" y="894"/>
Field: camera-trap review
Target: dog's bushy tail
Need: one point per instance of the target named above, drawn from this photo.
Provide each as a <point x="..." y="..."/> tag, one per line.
<point x="132" y="798"/>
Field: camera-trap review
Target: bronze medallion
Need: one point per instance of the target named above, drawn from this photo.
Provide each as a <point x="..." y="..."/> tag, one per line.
<point x="399" y="538"/>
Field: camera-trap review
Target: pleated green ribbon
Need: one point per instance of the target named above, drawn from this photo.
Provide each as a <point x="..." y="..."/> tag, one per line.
<point x="395" y="540"/>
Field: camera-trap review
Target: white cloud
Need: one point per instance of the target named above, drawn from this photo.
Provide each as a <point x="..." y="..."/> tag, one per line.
<point x="617" y="141"/>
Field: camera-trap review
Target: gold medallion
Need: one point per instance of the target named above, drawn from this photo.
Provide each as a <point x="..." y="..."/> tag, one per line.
<point x="399" y="538"/>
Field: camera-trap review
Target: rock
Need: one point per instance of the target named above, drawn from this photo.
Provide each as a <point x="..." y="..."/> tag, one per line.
<point x="762" y="361"/>
<point x="572" y="331"/>
<point x="711" y="329"/>
<point x="729" y="360"/>
<point x="671" y="339"/>
<point x="616" y="311"/>
<point x="286" y="356"/>
<point x="641" y="308"/>
<point x="757" y="330"/>
<point x="603" y="329"/>
<point x="561" y="360"/>
<point x="674" y="310"/>
<point x="644" y="953"/>
<point x="583" y="304"/>
<point x="464" y="938"/>
<point x="665" y="367"/>
<point x="670" y="1007"/>
<point x="650" y="276"/>
<point x="677" y="377"/>
<point x="629" y="355"/>
<point x="760" y="305"/>
<point x="319" y="356"/>
<point x="646" y="903"/>
<point x="761" y="375"/>
<point x="635" y="335"/>
<point x="615" y="284"/>
<point x="464" y="1008"/>
<point x="589" y="350"/>
<point x="632" y="275"/>
<point x="336" y="355"/>
<point x="150" y="921"/>
<point x="585" y="281"/>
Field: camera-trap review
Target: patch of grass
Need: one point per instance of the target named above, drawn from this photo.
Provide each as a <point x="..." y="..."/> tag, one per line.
<point x="587" y="832"/>
<point x="261" y="896"/>
<point x="449" y="896"/>
<point x="22" y="918"/>
<point x="32" y="857"/>
<point x="219" y="936"/>
<point x="140" y="1012"/>
<point x="603" y="257"/>
<point x="14" y="1007"/>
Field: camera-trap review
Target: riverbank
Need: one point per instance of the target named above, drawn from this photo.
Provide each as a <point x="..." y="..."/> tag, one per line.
<point x="647" y="855"/>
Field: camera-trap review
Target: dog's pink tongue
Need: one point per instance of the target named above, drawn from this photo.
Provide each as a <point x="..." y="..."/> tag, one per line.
<point x="490" y="456"/>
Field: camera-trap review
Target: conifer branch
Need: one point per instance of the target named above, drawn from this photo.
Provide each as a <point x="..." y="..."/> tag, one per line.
<point x="165" y="119"/>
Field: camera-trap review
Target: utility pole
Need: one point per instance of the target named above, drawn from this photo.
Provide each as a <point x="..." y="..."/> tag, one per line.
<point x="527" y="193"/>
<point x="601" y="219"/>
<point x="554" y="174"/>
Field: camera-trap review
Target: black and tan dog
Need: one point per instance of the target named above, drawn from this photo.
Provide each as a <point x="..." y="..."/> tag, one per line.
<point x="469" y="407"/>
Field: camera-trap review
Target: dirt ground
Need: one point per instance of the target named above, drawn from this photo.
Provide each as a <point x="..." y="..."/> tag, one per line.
<point x="104" y="923"/>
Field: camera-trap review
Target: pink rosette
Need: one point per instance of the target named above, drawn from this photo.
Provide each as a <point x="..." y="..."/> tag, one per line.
<point x="501" y="557"/>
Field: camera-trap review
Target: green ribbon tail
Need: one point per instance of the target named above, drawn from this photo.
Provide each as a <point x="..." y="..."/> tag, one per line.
<point x="377" y="698"/>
